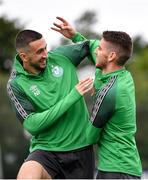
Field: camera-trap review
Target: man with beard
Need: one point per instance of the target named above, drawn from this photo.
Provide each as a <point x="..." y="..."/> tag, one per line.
<point x="47" y="97"/>
<point x="113" y="117"/>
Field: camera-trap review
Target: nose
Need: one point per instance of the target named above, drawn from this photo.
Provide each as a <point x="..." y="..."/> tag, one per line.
<point x="44" y="55"/>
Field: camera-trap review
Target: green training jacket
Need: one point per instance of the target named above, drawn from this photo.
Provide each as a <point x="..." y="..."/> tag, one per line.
<point x="113" y="120"/>
<point x="47" y="104"/>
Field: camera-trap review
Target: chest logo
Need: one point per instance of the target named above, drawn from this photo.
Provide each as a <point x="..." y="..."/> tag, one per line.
<point x="57" y="71"/>
<point x="35" y="90"/>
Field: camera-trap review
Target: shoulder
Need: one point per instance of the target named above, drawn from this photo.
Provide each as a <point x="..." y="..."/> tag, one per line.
<point x="108" y="90"/>
<point x="14" y="81"/>
<point x="125" y="82"/>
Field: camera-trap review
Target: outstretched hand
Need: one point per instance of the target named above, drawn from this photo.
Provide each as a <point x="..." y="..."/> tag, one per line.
<point x="64" y="28"/>
<point x="85" y="86"/>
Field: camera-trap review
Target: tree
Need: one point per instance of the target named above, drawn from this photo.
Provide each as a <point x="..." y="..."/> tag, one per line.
<point x="12" y="140"/>
<point x="85" y="24"/>
<point x="9" y="29"/>
<point x="139" y="69"/>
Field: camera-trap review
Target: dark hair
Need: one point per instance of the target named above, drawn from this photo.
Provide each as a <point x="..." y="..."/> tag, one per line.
<point x="123" y="44"/>
<point x="24" y="37"/>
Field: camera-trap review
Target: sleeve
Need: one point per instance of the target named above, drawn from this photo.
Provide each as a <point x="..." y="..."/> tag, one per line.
<point x="105" y="104"/>
<point x="75" y="52"/>
<point x="93" y="44"/>
<point x="36" y="122"/>
<point x="78" y="38"/>
<point x="93" y="133"/>
<point x="102" y="111"/>
<point x="20" y="103"/>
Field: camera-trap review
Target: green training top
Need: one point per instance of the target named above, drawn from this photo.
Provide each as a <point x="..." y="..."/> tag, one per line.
<point x="113" y="120"/>
<point x="47" y="104"/>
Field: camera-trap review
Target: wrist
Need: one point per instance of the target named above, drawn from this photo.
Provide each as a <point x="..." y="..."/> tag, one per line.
<point x="74" y="36"/>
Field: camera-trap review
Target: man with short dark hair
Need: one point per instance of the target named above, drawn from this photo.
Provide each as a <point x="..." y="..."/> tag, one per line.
<point x="113" y="117"/>
<point x="47" y="97"/>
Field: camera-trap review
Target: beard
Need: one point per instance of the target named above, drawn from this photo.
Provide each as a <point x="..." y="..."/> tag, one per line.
<point x="39" y="65"/>
<point x="101" y="63"/>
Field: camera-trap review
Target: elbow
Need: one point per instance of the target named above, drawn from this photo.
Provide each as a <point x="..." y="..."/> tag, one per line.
<point x="32" y="131"/>
<point x="31" y="128"/>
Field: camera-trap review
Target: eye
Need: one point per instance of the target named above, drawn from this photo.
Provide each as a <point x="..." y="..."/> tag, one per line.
<point x="40" y="51"/>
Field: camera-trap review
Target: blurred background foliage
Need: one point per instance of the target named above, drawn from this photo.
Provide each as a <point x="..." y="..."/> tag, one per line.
<point x="14" y="142"/>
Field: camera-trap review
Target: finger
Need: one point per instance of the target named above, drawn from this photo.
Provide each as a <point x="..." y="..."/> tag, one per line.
<point x="82" y="83"/>
<point x="87" y="79"/>
<point x="62" y="19"/>
<point x="89" y="88"/>
<point x="57" y="25"/>
<point x="63" y="27"/>
<point x="55" y="29"/>
<point x="88" y="85"/>
<point x="84" y="87"/>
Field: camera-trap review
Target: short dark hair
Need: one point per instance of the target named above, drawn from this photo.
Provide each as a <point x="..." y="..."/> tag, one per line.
<point x="122" y="42"/>
<point x="24" y="37"/>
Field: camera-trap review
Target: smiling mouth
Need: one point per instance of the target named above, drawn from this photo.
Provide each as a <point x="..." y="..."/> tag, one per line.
<point x="43" y="61"/>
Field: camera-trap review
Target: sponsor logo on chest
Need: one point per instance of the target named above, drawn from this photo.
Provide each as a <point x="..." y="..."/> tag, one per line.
<point x="34" y="89"/>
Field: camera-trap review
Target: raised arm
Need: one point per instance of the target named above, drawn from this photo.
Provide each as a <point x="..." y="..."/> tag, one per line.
<point x="66" y="29"/>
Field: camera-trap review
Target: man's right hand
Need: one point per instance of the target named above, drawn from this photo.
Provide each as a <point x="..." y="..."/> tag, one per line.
<point x="64" y="28"/>
<point x="85" y="86"/>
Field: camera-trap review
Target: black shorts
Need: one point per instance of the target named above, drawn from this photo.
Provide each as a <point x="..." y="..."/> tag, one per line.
<point x="78" y="164"/>
<point x="115" y="175"/>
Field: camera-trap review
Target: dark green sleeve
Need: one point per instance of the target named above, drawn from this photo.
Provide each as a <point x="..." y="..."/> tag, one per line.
<point x="75" y="52"/>
<point x="105" y="104"/>
<point x="93" y="133"/>
<point x="20" y="102"/>
<point x="102" y="111"/>
<point x="93" y="44"/>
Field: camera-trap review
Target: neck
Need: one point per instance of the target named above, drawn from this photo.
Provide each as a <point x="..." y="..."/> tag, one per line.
<point x="111" y="68"/>
<point x="31" y="70"/>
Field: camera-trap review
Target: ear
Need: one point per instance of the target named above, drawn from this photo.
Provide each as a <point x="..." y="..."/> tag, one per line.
<point x="23" y="56"/>
<point x="112" y="56"/>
